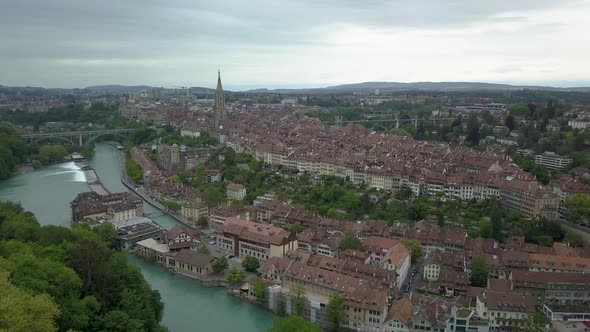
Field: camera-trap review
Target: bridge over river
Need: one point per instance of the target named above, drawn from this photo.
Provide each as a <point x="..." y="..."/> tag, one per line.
<point x="79" y="137"/>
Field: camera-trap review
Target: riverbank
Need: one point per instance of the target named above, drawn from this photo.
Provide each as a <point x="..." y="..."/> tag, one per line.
<point x="139" y="191"/>
<point x="23" y="169"/>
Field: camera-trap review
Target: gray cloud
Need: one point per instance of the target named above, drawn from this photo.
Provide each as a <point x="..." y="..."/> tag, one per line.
<point x="71" y="43"/>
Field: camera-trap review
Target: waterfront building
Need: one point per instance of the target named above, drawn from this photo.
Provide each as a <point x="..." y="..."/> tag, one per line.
<point x="246" y="238"/>
<point x="179" y="238"/>
<point x="137" y="229"/>
<point x="190" y="263"/>
<point x="114" y="208"/>
<point x="153" y="250"/>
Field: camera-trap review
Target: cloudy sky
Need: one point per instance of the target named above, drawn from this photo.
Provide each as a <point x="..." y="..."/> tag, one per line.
<point x="273" y="43"/>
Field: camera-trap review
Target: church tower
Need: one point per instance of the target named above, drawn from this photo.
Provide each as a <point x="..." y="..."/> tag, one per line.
<point x="219" y="107"/>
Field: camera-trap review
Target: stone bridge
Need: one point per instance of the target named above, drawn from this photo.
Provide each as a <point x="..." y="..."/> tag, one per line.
<point x="79" y="137"/>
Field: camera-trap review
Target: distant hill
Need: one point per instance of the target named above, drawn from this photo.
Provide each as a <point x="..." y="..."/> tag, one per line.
<point x="119" y="88"/>
<point x="367" y="87"/>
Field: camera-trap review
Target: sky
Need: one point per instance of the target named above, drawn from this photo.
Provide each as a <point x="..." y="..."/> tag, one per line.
<point x="303" y="43"/>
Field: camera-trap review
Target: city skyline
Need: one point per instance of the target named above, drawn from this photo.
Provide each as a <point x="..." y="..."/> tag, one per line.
<point x="293" y="45"/>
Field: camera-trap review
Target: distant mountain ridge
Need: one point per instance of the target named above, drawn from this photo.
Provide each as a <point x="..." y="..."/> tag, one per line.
<point x="423" y="86"/>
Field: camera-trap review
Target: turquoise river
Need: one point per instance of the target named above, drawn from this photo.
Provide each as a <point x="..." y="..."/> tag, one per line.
<point x="47" y="192"/>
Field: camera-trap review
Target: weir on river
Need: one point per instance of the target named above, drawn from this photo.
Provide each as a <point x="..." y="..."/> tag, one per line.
<point x="47" y="192"/>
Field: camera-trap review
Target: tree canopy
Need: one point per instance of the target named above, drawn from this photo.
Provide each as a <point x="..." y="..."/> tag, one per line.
<point x="72" y="279"/>
<point x="350" y="241"/>
<point x="220" y="264"/>
<point x="293" y="324"/>
<point x="479" y="272"/>
<point x="416" y="248"/>
<point x="251" y="264"/>
<point x="578" y="208"/>
<point x="335" y="310"/>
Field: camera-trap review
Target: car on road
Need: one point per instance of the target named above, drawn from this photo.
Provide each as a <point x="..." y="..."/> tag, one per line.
<point x="212" y="242"/>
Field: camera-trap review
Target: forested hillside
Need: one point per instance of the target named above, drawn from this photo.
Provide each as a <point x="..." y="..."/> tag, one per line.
<point x="59" y="279"/>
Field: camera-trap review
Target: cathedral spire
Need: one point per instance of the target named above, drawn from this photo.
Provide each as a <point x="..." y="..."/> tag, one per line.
<point x="219" y="107"/>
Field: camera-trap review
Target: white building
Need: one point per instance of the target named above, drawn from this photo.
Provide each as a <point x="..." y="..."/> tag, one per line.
<point x="577" y="124"/>
<point x="552" y="160"/>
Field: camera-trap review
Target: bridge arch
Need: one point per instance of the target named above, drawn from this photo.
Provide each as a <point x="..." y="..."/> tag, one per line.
<point x="53" y="137"/>
<point x="119" y="134"/>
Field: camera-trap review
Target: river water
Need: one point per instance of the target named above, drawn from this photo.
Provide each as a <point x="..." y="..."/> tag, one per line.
<point x="47" y="192"/>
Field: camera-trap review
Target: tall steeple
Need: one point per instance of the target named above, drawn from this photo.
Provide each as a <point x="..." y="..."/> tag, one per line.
<point x="219" y="107"/>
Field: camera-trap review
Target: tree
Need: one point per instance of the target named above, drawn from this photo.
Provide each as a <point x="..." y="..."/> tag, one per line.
<point x="479" y="271"/>
<point x="350" y="241"/>
<point x="293" y="324"/>
<point x="535" y="323"/>
<point x="235" y="276"/>
<point x="202" y="221"/>
<point x="220" y="264"/>
<point x="172" y="206"/>
<point x="296" y="229"/>
<point x="473" y="134"/>
<point x="251" y="264"/>
<point x="260" y="287"/>
<point x="578" y="208"/>
<point x="133" y="170"/>
<point x="204" y="250"/>
<point x="297" y="296"/>
<point x="107" y="233"/>
<point x="22" y="311"/>
<point x="416" y="248"/>
<point x="509" y="122"/>
<point x="335" y="311"/>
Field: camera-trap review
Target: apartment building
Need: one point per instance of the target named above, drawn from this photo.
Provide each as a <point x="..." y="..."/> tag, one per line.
<point x="194" y="211"/>
<point x="564" y="288"/>
<point x="552" y="161"/>
<point x="529" y="198"/>
<point x="506" y="311"/>
<point x="246" y="238"/>
<point x="235" y="191"/>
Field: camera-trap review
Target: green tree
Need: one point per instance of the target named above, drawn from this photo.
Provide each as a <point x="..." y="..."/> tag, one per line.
<point x="350" y="241"/>
<point x="297" y="296"/>
<point x="172" y="206"/>
<point x="260" y="287"/>
<point x="133" y="170"/>
<point x="479" y="272"/>
<point x="335" y="310"/>
<point x="202" y="221"/>
<point x="220" y="264"/>
<point x="296" y="228"/>
<point x="535" y="323"/>
<point x="509" y="122"/>
<point x="22" y="311"/>
<point x="473" y="134"/>
<point x="235" y="276"/>
<point x="251" y="264"/>
<point x="578" y="208"/>
<point x="108" y="233"/>
<point x="204" y="250"/>
<point x="416" y="248"/>
<point x="293" y="324"/>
